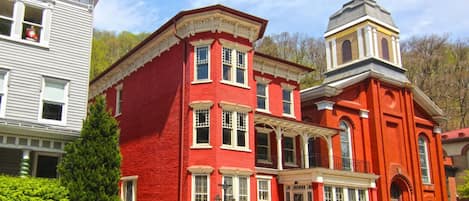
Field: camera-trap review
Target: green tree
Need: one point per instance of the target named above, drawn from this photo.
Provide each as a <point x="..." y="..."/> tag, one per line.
<point x="91" y="168"/>
<point x="463" y="190"/>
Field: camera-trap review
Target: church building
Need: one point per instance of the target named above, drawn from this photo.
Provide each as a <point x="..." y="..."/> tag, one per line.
<point x="204" y="117"/>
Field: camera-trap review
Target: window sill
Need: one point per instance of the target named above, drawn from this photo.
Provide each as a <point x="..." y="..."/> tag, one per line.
<point x="235" y="84"/>
<point x="232" y="148"/>
<point x="289" y="116"/>
<point x="291" y="165"/>
<point x="118" y="115"/>
<point x="201" y="81"/>
<point x="200" y="146"/>
<point x="41" y="45"/>
<point x="263" y="110"/>
<point x="264" y="162"/>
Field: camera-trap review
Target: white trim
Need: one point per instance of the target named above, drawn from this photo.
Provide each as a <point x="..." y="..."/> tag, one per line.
<point x="6" y="81"/>
<point x="437" y="130"/>
<point x="269" y="186"/>
<point x="364" y="113"/>
<point x="63" y="120"/>
<point x="126" y="179"/>
<point x="266" y="97"/>
<point x="193" y="187"/>
<point x="235" y="107"/>
<point x="275" y="68"/>
<point x="200" y="42"/>
<point x="369" y="41"/>
<point x="118" y="110"/>
<point x="375" y="41"/>
<point x="235" y="185"/>
<point x="204" y="104"/>
<point x="398" y="54"/>
<point x="235" y="45"/>
<point x="235" y="112"/>
<point x="357" y="21"/>
<point x="334" y="53"/>
<point x="196" y="145"/>
<point x="235" y="48"/>
<point x="325" y="105"/>
<point x="361" y="51"/>
<point x="394" y="50"/>
<point x="292" y="101"/>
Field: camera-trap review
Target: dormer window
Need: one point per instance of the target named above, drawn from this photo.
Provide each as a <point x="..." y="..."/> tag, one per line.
<point x="346" y="51"/>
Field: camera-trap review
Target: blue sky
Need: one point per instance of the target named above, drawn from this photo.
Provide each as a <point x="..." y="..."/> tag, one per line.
<point x="413" y="17"/>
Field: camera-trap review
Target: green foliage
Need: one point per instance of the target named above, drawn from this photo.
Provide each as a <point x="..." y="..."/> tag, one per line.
<point x="463" y="190"/>
<point x="109" y="46"/>
<point x="91" y="168"/>
<point x="31" y="189"/>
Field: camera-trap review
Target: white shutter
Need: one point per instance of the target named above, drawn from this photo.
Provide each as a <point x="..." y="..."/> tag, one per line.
<point x="54" y="91"/>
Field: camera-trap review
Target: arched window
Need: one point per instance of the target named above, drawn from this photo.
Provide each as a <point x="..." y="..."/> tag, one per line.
<point x="423" y="156"/>
<point x="346" y="145"/>
<point x="385" y="48"/>
<point x="346" y="51"/>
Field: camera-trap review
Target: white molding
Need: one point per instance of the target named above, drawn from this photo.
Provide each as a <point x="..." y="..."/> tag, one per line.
<point x="197" y="105"/>
<point x="278" y="69"/>
<point x="126" y="178"/>
<point x="234" y="107"/>
<point x="263" y="177"/>
<point x="334" y="53"/>
<point x="357" y="21"/>
<point x="235" y="171"/>
<point x="361" y="46"/>
<point x="364" y="113"/>
<point x="262" y="80"/>
<point x="264" y="130"/>
<point x="437" y="130"/>
<point x="287" y="86"/>
<point x="235" y="45"/>
<point x="189" y="25"/>
<point x="207" y="42"/>
<point x="325" y="105"/>
<point x="200" y="169"/>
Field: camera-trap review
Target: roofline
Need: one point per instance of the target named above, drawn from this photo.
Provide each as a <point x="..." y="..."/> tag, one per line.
<point x="357" y="21"/>
<point x="302" y="67"/>
<point x="173" y="20"/>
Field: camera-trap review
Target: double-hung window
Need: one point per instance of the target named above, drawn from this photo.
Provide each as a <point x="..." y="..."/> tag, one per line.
<point x="423" y="156"/>
<point x="287" y="102"/>
<point x="202" y="126"/>
<point x="289" y="150"/>
<point x="118" y="100"/>
<point x="262" y="93"/>
<point x="25" y="20"/>
<point x="263" y="189"/>
<point x="234" y="66"/>
<point x="236" y="187"/>
<point x="202" y="63"/>
<point x="234" y="126"/>
<point x="200" y="187"/>
<point x="129" y="188"/>
<point x="3" y="91"/>
<point x="262" y="147"/>
<point x="54" y="100"/>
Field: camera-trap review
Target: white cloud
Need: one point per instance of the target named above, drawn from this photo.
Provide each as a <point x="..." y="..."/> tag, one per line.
<point x="125" y="15"/>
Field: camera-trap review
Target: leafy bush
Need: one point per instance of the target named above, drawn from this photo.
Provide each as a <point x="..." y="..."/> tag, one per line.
<point x="31" y="189"/>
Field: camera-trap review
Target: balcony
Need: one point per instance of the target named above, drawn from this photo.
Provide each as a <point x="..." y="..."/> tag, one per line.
<point x="344" y="164"/>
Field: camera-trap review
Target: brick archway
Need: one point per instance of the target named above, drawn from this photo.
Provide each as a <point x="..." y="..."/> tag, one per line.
<point x="400" y="188"/>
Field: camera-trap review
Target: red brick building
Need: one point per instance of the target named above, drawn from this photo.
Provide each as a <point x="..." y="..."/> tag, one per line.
<point x="205" y="117"/>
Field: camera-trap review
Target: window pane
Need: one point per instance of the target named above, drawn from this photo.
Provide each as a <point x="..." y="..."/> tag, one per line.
<point x="32" y="24"/>
<point x="6" y="8"/>
<point x="202" y="71"/>
<point x="128" y="191"/>
<point x="243" y="189"/>
<point x="5" y="27"/>
<point x="202" y="135"/>
<point x="2" y="81"/>
<point x="261" y="103"/>
<point x="286" y="95"/>
<point x="346" y="51"/>
<point x="385" y="48"/>
<point x="227" y="136"/>
<point x="327" y="193"/>
<point x="260" y="89"/>
<point x="288" y="142"/>
<point x="54" y="91"/>
<point x="33" y="15"/>
<point x="228" y="192"/>
<point x="339" y="194"/>
<point x="351" y="194"/>
<point x="361" y="195"/>
<point x="262" y="139"/>
<point x="202" y="55"/>
<point x="227" y="124"/>
<point x="240" y="75"/>
<point x="52" y="111"/>
<point x="286" y="108"/>
<point x="47" y="166"/>
<point x="241" y="138"/>
<point x="226" y="72"/>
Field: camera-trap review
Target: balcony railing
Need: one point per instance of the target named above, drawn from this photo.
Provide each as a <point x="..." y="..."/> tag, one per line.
<point x="340" y="163"/>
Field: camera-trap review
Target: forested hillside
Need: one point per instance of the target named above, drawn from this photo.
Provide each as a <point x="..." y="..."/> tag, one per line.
<point x="437" y="65"/>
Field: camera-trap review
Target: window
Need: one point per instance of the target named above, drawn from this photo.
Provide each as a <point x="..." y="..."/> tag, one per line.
<point x="234" y="66"/>
<point x="237" y="188"/>
<point x="262" y="147"/>
<point x="129" y="188"/>
<point x="234" y="135"/>
<point x="3" y="91"/>
<point x="345" y="145"/>
<point x="287" y="101"/>
<point x="361" y="195"/>
<point x="202" y="126"/>
<point x="334" y="193"/>
<point x="262" y="93"/>
<point x="346" y="51"/>
<point x="200" y="188"/>
<point x="352" y="194"/>
<point x="339" y="194"/>
<point x="385" y="48"/>
<point x="327" y="193"/>
<point x="32" y="20"/>
<point x="289" y="150"/>
<point x="118" y="100"/>
<point x="46" y="165"/>
<point x="263" y="188"/>
<point x="54" y="100"/>
<point x="423" y="156"/>
<point x="202" y="71"/>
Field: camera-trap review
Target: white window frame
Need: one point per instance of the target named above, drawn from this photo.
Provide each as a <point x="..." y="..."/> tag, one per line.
<point x="193" y="189"/>
<point x="63" y="120"/>
<point x="344" y="192"/>
<point x="284" y="148"/>
<point x="234" y="67"/>
<point x="194" y="142"/>
<point x="234" y="130"/>
<point x="235" y="187"/>
<point x="262" y="178"/>
<point x="18" y="19"/>
<point x="6" y="76"/>
<point x="119" y="89"/>
<point x="348" y="132"/>
<point x="424" y="167"/>
<point x="124" y="180"/>
<point x="290" y="88"/>
<point x="202" y="44"/>
<point x="266" y="97"/>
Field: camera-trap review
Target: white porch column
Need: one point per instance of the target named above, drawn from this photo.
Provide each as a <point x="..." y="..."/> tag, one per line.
<point x="305" y="138"/>
<point x="331" y="154"/>
<point x="24" y="167"/>
<point x="278" y="134"/>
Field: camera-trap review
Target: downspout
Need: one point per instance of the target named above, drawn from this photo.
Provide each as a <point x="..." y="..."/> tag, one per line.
<point x="182" y="116"/>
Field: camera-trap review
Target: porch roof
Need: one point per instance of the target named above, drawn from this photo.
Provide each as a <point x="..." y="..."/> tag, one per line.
<point x="294" y="126"/>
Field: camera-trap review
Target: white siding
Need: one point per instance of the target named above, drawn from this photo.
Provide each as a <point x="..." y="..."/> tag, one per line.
<point x="68" y="57"/>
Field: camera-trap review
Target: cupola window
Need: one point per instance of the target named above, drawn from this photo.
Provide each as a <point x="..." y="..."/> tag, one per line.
<point x="385" y="48"/>
<point x="346" y="51"/>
